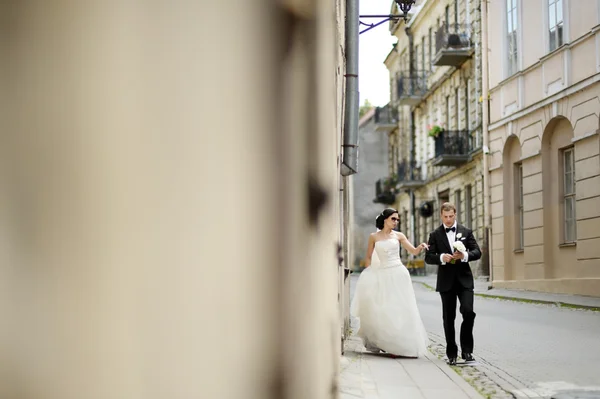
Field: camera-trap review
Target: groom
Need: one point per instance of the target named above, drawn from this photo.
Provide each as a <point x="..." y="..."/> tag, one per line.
<point x="455" y="279"/>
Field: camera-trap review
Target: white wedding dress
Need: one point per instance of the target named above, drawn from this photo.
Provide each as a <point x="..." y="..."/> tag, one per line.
<point x="385" y="305"/>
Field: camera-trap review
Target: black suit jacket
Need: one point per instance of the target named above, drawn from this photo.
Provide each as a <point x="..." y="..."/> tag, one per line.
<point x="459" y="271"/>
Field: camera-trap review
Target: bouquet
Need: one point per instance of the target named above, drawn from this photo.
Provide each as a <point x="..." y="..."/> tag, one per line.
<point x="458" y="247"/>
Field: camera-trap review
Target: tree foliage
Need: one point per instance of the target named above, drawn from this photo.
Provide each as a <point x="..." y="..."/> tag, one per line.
<point x="364" y="108"/>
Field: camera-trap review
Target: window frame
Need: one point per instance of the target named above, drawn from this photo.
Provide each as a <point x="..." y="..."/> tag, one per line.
<point x="555" y="28"/>
<point x="457" y="108"/>
<point x="458" y="201"/>
<point x="468" y="206"/>
<point x="519" y="207"/>
<point x="568" y="197"/>
<point x="431" y="55"/>
<point x="511" y="14"/>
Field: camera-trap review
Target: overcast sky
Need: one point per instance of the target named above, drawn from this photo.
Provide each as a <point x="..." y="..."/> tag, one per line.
<point x="374" y="46"/>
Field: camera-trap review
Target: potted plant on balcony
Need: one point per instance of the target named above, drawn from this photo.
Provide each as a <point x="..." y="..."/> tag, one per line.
<point x="435" y="130"/>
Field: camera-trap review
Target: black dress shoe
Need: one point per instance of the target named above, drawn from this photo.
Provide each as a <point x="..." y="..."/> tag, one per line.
<point x="468" y="357"/>
<point x="452" y="361"/>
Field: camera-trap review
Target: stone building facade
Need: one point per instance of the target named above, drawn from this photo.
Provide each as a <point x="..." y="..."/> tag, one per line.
<point x="544" y="142"/>
<point x="436" y="150"/>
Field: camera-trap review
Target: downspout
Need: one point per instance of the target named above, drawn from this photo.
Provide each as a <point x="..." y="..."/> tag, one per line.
<point x="486" y="137"/>
<point x="350" y="144"/>
<point x="411" y="142"/>
<point x="413" y="217"/>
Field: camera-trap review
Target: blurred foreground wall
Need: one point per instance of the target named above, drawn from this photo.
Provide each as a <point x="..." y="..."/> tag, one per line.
<point x="169" y="199"/>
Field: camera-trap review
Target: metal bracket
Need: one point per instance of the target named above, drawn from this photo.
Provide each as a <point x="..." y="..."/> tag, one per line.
<point x="384" y="19"/>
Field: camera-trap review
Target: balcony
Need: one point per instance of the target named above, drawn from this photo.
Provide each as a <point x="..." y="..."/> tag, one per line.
<point x="385" y="191"/>
<point x="453" y="45"/>
<point x="385" y="118"/>
<point x="412" y="88"/>
<point x="408" y="180"/>
<point x="452" y="148"/>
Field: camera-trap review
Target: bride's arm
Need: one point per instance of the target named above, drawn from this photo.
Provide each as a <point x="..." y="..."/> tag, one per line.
<point x="409" y="247"/>
<point x="370" y="248"/>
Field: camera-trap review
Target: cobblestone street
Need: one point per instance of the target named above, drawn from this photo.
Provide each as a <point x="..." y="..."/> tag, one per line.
<point x="530" y="350"/>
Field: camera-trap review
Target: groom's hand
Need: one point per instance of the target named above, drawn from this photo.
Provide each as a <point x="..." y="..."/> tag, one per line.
<point x="458" y="255"/>
<point x="447" y="258"/>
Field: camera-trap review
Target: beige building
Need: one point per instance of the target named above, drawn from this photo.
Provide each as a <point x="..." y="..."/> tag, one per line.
<point x="435" y="152"/>
<point x="544" y="142"/>
<point x="170" y="199"/>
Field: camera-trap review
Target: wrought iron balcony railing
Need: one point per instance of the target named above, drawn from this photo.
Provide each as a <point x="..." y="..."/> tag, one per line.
<point x="452" y="147"/>
<point x="386" y="118"/>
<point x="385" y="191"/>
<point x="409" y="175"/>
<point x="412" y="88"/>
<point x="453" y="45"/>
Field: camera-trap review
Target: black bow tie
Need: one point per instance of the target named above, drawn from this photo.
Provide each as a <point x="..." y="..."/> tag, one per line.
<point x="450" y="229"/>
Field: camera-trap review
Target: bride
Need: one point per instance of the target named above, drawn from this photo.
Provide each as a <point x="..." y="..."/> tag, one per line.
<point x="384" y="300"/>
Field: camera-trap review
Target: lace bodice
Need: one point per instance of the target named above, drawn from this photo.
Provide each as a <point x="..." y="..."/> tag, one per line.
<point x="388" y="252"/>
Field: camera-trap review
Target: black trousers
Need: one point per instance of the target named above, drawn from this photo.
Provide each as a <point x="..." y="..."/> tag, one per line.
<point x="465" y="296"/>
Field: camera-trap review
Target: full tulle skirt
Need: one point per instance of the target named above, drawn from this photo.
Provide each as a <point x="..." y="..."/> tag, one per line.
<point x="385" y="308"/>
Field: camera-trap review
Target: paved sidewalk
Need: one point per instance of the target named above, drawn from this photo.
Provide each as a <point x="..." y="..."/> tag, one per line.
<point x="370" y="376"/>
<point x="483" y="287"/>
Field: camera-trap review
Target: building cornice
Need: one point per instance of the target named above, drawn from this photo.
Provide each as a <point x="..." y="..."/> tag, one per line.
<point x="568" y="91"/>
<point x="538" y="63"/>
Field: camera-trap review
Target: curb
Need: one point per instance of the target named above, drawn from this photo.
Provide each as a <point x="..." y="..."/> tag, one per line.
<point x="457" y="379"/>
<point x="560" y="304"/>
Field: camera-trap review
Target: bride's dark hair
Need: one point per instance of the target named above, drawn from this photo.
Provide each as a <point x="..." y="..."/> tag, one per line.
<point x="384" y="215"/>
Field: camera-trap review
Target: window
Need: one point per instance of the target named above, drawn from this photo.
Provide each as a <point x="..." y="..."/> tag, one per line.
<point x="570" y="228"/>
<point x="393" y="153"/>
<point x="444" y="196"/>
<point x="467" y="124"/>
<point x="555" y="23"/>
<point x="456" y="12"/>
<point x="468" y="207"/>
<point x="430" y="49"/>
<point x="447" y="113"/>
<point x="423" y="54"/>
<point x="520" y="242"/>
<point x="512" y="27"/>
<point x="416" y="60"/>
<point x="457" y="202"/>
<point x="456" y="108"/>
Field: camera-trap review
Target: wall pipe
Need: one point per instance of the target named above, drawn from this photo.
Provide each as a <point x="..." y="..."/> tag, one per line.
<point x="350" y="143"/>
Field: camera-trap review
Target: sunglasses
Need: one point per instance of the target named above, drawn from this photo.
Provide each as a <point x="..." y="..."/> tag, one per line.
<point x="395" y="219"/>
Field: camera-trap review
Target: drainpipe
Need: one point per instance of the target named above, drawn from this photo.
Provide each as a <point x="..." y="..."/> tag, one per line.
<point x="411" y="141"/>
<point x="486" y="137"/>
<point x="350" y="144"/>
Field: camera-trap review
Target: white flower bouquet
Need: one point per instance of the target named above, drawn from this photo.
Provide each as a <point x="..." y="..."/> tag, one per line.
<point x="458" y="247"/>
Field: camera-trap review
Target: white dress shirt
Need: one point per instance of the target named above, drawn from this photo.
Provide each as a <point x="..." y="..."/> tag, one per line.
<point x="451" y="238"/>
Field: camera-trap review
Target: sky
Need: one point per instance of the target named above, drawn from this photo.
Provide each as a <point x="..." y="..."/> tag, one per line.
<point x="374" y="46"/>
